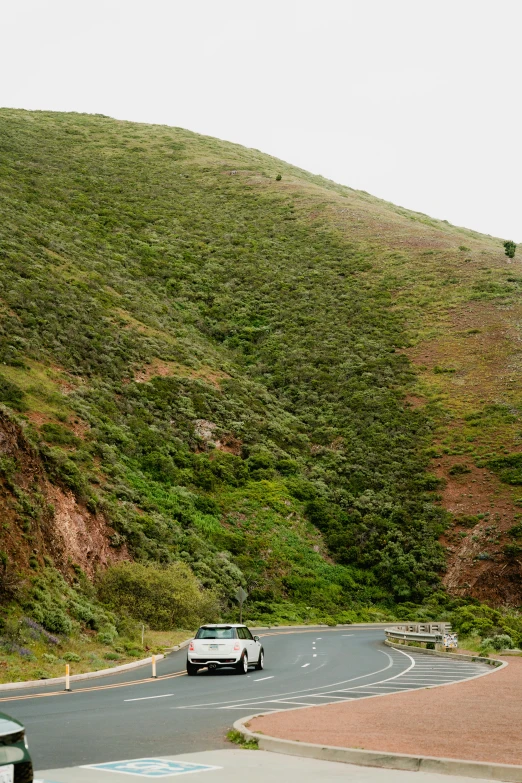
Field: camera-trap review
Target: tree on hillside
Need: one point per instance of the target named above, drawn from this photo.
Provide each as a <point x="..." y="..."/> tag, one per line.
<point x="164" y="596"/>
<point x="509" y="248"/>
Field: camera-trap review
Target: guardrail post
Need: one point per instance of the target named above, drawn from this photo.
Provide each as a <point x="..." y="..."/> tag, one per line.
<point x="67" y="681"/>
<point x="154" y="667"/>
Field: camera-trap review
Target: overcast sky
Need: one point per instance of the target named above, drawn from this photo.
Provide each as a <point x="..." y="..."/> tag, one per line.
<point x="415" y="101"/>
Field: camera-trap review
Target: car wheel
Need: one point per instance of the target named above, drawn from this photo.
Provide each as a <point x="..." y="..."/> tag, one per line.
<point x="261" y="661"/>
<point x="242" y="665"/>
<point x="191" y="669"/>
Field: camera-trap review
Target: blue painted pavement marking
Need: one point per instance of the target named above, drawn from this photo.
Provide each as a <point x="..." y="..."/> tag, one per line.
<point x="150" y="768"/>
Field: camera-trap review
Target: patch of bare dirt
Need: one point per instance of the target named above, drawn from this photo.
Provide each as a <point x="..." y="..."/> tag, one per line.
<point x="477" y="491"/>
<point x="476" y="563"/>
<point x="158" y="368"/>
<point x="229" y="444"/>
<point x="80" y="428"/>
<point x="206" y="430"/>
<point x="153" y="370"/>
<point x="482" y="345"/>
<point x="81" y="536"/>
<point x="65" y="381"/>
<point x="59" y="526"/>
<point x="37" y="418"/>
<point x="414" y="401"/>
<point x="77" y="426"/>
<point x="476" y="362"/>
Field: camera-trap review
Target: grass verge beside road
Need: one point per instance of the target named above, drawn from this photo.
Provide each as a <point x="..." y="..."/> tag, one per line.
<point x="84" y="654"/>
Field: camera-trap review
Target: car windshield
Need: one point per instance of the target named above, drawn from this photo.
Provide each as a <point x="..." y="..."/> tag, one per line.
<point x="216" y="633"/>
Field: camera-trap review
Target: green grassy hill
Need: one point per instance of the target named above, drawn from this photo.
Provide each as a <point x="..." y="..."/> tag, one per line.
<point x="272" y="381"/>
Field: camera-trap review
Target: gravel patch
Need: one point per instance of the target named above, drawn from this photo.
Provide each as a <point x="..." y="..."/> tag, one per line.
<point x="478" y="720"/>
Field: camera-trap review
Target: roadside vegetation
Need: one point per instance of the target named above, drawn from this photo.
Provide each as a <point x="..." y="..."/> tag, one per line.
<point x="214" y="357"/>
<point x="35" y="656"/>
<point x="238" y="739"/>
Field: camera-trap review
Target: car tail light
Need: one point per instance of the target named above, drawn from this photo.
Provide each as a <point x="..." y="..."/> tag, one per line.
<point x="191" y="647"/>
<point x="237" y="646"/>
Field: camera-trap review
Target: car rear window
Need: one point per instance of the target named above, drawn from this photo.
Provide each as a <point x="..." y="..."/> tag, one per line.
<point x="216" y="633"/>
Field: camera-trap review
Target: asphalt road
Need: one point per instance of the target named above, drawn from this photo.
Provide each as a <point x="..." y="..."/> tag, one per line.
<point x="130" y="716"/>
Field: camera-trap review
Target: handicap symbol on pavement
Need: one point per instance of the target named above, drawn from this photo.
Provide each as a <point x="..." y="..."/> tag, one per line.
<point x="151" y="768"/>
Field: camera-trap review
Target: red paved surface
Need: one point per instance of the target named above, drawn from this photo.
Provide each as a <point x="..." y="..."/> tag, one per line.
<point x="480" y="720"/>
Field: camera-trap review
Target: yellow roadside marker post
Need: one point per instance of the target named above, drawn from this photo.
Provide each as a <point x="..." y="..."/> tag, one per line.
<point x="67" y="682"/>
<point x="154" y="667"/>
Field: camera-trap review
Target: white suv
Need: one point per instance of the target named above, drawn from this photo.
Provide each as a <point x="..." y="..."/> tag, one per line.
<point x="216" y="646"/>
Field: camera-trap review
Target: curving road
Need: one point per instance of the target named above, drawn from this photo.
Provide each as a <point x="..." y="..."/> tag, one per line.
<point x="130" y="716"/>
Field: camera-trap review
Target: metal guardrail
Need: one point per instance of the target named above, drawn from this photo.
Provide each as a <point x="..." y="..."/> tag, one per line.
<point x="429" y="633"/>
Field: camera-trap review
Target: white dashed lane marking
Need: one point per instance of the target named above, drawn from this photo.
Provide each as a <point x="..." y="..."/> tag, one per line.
<point x="302" y="693"/>
<point x="417" y="673"/>
<point x="261" y="679"/>
<point x="145" y="698"/>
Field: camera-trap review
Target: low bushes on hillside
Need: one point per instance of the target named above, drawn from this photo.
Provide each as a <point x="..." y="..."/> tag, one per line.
<point x="164" y="597"/>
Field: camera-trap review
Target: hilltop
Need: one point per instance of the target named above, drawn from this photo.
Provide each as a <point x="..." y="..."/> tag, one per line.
<point x="284" y="384"/>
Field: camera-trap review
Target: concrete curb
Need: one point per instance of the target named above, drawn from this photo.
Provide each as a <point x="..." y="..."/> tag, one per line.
<point x="375" y="758"/>
<point x="11" y="686"/>
<point x="440" y="654"/>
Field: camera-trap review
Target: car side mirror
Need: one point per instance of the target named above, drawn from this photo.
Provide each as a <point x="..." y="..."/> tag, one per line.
<point x="256" y="638"/>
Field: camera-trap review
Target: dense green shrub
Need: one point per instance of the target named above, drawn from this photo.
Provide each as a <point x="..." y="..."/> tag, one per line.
<point x="163" y="597"/>
<point x="55" y="433"/>
<point x="11" y="394"/>
<point x="54" y="619"/>
<point x="71" y="657"/>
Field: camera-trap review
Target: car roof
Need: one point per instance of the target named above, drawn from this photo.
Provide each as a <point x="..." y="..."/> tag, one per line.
<point x="223" y="625"/>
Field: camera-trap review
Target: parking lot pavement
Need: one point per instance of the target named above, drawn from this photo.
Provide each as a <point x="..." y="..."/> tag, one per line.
<point x="236" y="766"/>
